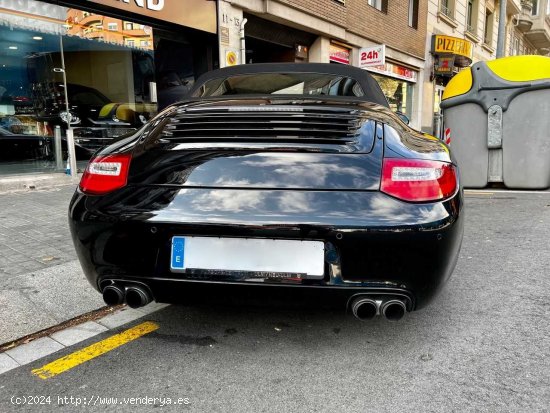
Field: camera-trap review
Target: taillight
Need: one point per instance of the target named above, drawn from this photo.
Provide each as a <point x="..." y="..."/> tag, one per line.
<point x="418" y="180"/>
<point x="105" y="174"/>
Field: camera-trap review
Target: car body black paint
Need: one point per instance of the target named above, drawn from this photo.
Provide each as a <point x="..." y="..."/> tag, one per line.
<point x="271" y="185"/>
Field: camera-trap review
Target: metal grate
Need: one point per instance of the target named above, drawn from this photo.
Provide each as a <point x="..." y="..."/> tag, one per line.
<point x="256" y="123"/>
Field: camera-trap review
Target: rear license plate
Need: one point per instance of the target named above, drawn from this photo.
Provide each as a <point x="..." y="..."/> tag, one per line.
<point x="252" y="255"/>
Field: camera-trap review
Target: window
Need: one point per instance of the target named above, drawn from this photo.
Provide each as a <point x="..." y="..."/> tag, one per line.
<point x="143" y="43"/>
<point x="548" y="8"/>
<point x="128" y="26"/>
<point x="112" y="27"/>
<point x="535" y="10"/>
<point x="488" y="30"/>
<point x="515" y="44"/>
<point x="413" y="13"/>
<point x="130" y="43"/>
<point x="471" y="16"/>
<point x="447" y="8"/>
<point x="292" y="83"/>
<point x="381" y="5"/>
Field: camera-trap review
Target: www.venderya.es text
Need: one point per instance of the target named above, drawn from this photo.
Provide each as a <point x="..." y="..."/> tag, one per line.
<point x="95" y="400"/>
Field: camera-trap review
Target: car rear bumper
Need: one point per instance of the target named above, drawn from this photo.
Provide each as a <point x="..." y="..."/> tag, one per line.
<point x="383" y="245"/>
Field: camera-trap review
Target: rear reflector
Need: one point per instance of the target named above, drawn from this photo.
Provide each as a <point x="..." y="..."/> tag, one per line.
<point x="105" y="174"/>
<point x="418" y="180"/>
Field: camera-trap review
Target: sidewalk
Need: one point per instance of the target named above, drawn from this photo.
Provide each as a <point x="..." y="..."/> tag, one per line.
<point x="41" y="282"/>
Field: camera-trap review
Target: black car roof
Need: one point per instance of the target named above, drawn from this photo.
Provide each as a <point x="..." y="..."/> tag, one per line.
<point x="372" y="90"/>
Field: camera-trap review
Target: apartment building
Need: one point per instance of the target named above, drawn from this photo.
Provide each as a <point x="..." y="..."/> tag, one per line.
<point x="335" y="31"/>
<point x="461" y="32"/>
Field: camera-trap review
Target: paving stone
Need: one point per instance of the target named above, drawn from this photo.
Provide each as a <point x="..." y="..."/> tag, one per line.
<point x="7" y="363"/>
<point x="33" y="225"/>
<point x="152" y="307"/>
<point x="34" y="350"/>
<point x="122" y="317"/>
<point x="76" y="334"/>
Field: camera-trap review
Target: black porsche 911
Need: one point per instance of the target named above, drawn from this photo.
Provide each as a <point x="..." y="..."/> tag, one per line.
<point x="282" y="179"/>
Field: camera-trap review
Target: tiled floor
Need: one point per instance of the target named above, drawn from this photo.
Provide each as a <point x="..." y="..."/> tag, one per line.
<point x="34" y="233"/>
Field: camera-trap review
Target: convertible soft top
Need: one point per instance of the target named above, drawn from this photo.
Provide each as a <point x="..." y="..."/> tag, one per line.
<point x="372" y="90"/>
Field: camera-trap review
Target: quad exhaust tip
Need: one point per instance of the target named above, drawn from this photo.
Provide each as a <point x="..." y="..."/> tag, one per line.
<point x="135" y="296"/>
<point x="113" y="295"/>
<point x="365" y="308"/>
<point x="393" y="310"/>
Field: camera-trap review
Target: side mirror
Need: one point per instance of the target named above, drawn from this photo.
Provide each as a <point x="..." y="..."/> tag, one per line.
<point x="403" y="117"/>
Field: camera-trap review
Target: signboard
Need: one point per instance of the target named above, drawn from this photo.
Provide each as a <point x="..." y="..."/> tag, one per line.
<point x="231" y="58"/>
<point x="396" y="71"/>
<point x="461" y="48"/>
<point x="199" y="14"/>
<point x="339" y="54"/>
<point x="33" y="15"/>
<point x="444" y="65"/>
<point x="372" y="56"/>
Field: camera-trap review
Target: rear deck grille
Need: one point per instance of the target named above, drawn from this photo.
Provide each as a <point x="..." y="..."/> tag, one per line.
<point x="254" y="123"/>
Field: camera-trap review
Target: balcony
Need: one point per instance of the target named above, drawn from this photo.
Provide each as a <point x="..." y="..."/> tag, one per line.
<point x="539" y="35"/>
<point x="513" y="7"/>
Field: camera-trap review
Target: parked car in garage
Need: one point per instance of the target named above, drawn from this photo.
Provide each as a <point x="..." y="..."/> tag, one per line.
<point x="281" y="178"/>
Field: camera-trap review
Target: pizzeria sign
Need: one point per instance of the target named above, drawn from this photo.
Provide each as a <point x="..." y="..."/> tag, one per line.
<point x="451" y="45"/>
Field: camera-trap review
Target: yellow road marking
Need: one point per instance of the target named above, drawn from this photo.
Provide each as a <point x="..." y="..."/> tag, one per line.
<point x="82" y="356"/>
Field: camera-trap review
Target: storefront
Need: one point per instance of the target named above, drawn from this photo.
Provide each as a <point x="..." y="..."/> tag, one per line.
<point x="397" y="83"/>
<point x="339" y="54"/>
<point x="113" y="64"/>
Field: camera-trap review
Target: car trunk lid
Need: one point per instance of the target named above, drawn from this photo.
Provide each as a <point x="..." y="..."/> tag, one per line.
<point x="270" y="144"/>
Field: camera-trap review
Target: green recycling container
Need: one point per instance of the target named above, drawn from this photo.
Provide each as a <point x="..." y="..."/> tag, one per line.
<point x="498" y="116"/>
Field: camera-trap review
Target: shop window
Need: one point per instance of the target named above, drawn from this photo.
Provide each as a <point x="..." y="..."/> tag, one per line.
<point x="398" y="93"/>
<point x="471" y="16"/>
<point x="447" y="7"/>
<point x="413" y="13"/>
<point x="488" y="29"/>
<point x="381" y="5"/>
<point x="110" y="86"/>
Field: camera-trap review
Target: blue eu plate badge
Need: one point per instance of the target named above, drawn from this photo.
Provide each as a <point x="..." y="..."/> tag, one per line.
<point x="178" y="246"/>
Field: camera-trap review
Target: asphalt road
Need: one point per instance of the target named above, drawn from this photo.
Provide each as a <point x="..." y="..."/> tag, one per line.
<point x="484" y="345"/>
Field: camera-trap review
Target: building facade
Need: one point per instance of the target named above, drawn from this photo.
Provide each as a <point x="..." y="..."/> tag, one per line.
<point x="461" y="32"/>
<point x="333" y="31"/>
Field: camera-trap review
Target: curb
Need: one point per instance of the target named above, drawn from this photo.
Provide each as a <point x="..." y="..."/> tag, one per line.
<point x="44" y="346"/>
<point x="28" y="182"/>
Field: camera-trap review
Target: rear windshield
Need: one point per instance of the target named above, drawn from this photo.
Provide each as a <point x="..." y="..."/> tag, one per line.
<point x="310" y="84"/>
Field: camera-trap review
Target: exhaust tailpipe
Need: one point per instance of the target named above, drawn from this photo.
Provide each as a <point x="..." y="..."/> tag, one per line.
<point x="394" y="310"/>
<point x="113" y="295"/>
<point x="137" y="296"/>
<point x="364" y="308"/>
